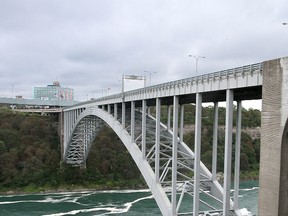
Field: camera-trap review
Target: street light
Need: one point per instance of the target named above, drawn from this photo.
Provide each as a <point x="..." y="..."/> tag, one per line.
<point x="196" y="61"/>
<point x="12" y="89"/>
<point x="150" y="72"/>
<point x="284" y="23"/>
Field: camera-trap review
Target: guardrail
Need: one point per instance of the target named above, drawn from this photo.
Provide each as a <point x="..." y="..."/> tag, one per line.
<point x="36" y="102"/>
<point x="258" y="67"/>
<point x="248" y="69"/>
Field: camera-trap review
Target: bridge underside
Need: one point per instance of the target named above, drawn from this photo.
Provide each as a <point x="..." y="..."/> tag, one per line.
<point x="155" y="159"/>
<point x="240" y="94"/>
<point x="87" y="128"/>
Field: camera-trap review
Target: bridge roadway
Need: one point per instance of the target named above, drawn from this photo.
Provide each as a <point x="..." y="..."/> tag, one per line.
<point x="36" y="102"/>
<point x="173" y="171"/>
<point x="41" y="111"/>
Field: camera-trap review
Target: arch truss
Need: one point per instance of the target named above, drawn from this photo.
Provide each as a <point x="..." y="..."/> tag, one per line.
<point x="180" y="182"/>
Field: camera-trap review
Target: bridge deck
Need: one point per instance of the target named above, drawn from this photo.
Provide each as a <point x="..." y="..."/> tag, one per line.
<point x="246" y="82"/>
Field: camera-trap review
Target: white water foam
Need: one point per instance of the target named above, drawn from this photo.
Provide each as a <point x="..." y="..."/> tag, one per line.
<point x="11" y="202"/>
<point x="247" y="189"/>
<point x="108" y="209"/>
<point x="128" y="205"/>
<point x="47" y="200"/>
<point x="250" y="189"/>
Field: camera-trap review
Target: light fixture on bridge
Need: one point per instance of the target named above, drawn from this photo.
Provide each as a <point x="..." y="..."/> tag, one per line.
<point x="196" y="61"/>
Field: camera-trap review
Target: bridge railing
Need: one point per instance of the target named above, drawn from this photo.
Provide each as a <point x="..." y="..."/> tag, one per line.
<point x="224" y="74"/>
<point x="205" y="77"/>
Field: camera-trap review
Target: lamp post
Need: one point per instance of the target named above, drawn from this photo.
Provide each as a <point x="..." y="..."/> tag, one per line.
<point x="12" y="90"/>
<point x="150" y="72"/>
<point x="196" y="61"/>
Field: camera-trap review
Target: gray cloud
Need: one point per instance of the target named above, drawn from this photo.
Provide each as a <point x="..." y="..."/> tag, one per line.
<point x="88" y="45"/>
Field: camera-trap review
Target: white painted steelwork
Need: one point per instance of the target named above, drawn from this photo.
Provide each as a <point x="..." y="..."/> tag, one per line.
<point x="215" y="142"/>
<point x="236" y="78"/>
<point x="197" y="151"/>
<point x="228" y="151"/>
<point x="168" y="165"/>
<point x="175" y="155"/>
<point x="237" y="155"/>
<point x="88" y="124"/>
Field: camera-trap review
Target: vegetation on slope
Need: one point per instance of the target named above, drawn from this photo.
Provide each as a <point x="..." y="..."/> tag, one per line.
<point x="250" y="148"/>
<point x="30" y="158"/>
<point x="30" y="153"/>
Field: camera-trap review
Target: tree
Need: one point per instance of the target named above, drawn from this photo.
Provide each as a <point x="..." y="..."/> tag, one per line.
<point x="3" y="147"/>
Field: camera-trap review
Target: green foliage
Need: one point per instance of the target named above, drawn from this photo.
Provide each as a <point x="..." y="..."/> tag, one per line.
<point x="3" y="147"/>
<point x="30" y="152"/>
<point x="30" y="157"/>
<point x="250" y="149"/>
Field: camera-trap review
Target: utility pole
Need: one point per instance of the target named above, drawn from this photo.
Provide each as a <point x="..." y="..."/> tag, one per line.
<point x="196" y="61"/>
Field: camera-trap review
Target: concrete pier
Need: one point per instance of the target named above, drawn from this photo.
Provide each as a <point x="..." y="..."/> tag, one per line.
<point x="273" y="189"/>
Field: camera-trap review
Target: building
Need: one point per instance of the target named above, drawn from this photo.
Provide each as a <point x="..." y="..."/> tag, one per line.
<point x="54" y="92"/>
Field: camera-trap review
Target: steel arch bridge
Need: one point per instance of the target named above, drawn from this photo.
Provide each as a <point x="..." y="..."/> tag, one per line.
<point x="174" y="172"/>
<point x="156" y="165"/>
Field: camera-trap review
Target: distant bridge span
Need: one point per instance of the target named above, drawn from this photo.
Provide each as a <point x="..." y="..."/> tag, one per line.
<point x="173" y="172"/>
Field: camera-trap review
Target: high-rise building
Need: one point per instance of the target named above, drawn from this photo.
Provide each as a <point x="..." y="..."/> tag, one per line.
<point x="54" y="92"/>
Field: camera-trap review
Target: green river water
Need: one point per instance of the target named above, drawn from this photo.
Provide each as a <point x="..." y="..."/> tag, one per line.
<point x="122" y="202"/>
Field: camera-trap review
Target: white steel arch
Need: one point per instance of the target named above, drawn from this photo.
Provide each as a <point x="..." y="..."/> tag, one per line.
<point x="84" y="128"/>
<point x="166" y="163"/>
<point x="134" y="151"/>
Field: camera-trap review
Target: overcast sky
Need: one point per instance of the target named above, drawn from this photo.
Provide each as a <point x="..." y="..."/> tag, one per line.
<point x="88" y="44"/>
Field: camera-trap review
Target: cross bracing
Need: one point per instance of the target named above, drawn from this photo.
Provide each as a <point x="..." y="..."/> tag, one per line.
<point x="211" y="194"/>
<point x="179" y="181"/>
<point x="81" y="140"/>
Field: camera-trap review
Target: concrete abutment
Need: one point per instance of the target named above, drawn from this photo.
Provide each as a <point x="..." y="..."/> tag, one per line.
<point x="273" y="190"/>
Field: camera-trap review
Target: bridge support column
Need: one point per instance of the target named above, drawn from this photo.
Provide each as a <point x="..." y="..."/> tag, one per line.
<point x="132" y="120"/>
<point x="69" y="122"/>
<point x="144" y="112"/>
<point x="174" y="154"/>
<point x="181" y="122"/>
<point x="115" y="111"/>
<point x="197" y="153"/>
<point x="169" y="118"/>
<point x="148" y="111"/>
<point x="74" y="116"/>
<point x="237" y="155"/>
<point x="61" y="122"/>
<point x="228" y="151"/>
<point x="123" y="115"/>
<point x="215" y="142"/>
<point x="109" y="108"/>
<point x="157" y="138"/>
<point x="273" y="186"/>
<point x="65" y="133"/>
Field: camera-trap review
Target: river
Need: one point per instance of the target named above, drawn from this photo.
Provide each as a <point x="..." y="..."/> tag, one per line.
<point x="117" y="202"/>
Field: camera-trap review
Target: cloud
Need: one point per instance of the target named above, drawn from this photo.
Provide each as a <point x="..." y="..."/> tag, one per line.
<point x="88" y="45"/>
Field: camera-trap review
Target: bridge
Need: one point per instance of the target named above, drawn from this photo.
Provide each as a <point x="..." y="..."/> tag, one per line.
<point x="27" y="103"/>
<point x="180" y="183"/>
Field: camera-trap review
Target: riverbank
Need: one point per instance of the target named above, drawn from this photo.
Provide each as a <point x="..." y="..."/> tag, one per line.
<point x="33" y="189"/>
<point x="135" y="184"/>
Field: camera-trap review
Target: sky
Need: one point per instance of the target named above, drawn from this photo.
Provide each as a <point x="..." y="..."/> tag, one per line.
<point x="88" y="45"/>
